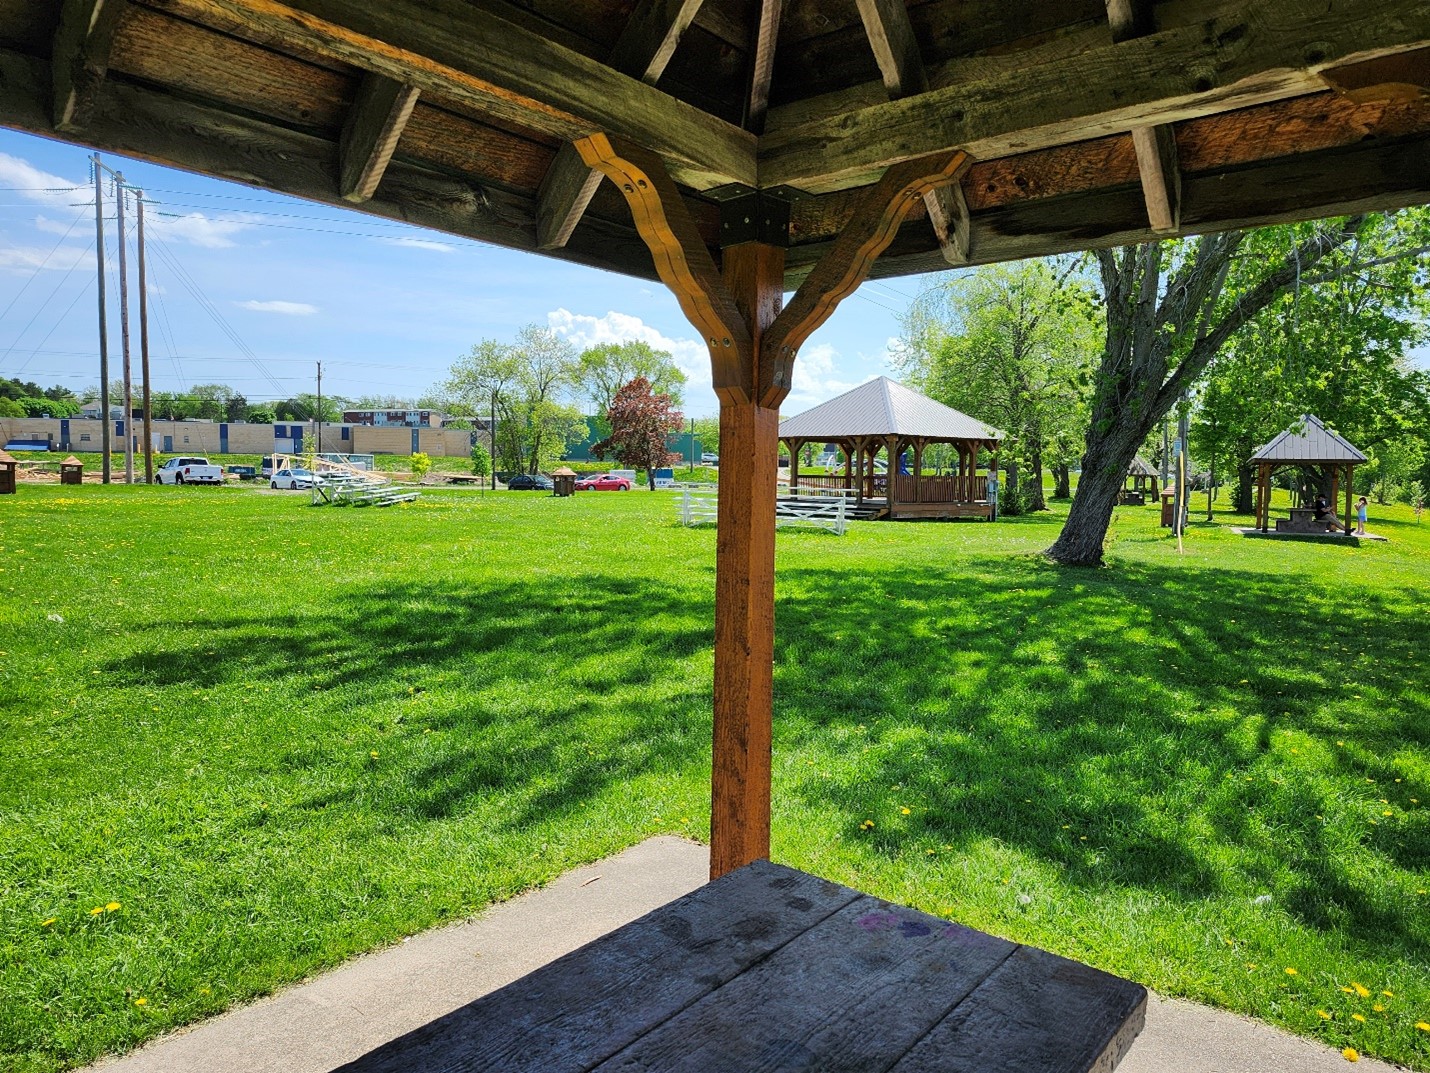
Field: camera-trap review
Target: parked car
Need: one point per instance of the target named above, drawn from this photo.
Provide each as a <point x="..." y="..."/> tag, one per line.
<point x="605" y="482"/>
<point x="244" y="473"/>
<point x="530" y="482"/>
<point x="708" y="459"/>
<point x="188" y="469"/>
<point x="292" y="479"/>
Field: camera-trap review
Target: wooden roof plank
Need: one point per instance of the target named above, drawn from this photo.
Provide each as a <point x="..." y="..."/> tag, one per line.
<point x="451" y="48"/>
<point x="80" y="58"/>
<point x="650" y="36"/>
<point x="567" y="189"/>
<point x="1270" y="50"/>
<point x="374" y="124"/>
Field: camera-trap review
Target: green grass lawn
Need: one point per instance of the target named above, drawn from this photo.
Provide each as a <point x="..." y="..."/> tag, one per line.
<point x="246" y="738"/>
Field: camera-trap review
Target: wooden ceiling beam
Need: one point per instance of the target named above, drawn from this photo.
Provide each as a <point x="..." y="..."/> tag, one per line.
<point x="896" y="50"/>
<point x="762" y="64"/>
<point x="1259" y="51"/>
<point x="642" y="51"/>
<point x="456" y="50"/>
<point x="1156" y="146"/>
<point x="650" y="36"/>
<point x="370" y="133"/>
<point x="80" y="53"/>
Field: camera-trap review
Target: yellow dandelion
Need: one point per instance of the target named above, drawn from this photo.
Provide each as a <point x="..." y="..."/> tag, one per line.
<point x="1379" y="1007"/>
<point x="373" y="754"/>
<point x="1358" y="1017"/>
<point x="141" y="1002"/>
<point x="905" y="810"/>
<point x="1291" y="972"/>
<point x="1349" y="990"/>
<point x="1424" y="1026"/>
<point x="96" y="910"/>
<point x="1388" y="993"/>
<point x="1387" y="812"/>
<point x="1251" y="966"/>
<point x="1323" y="1015"/>
<point x="47" y="923"/>
<point x="1351" y="1054"/>
<point x="866" y="825"/>
<point x="1361" y="989"/>
<point x="111" y="907"/>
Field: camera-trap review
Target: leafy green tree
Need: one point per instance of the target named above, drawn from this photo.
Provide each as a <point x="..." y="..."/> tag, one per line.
<point x="420" y="464"/>
<point x="1169" y="313"/>
<point x="1013" y="346"/>
<point x="42" y="406"/>
<point x="261" y="415"/>
<point x="642" y="421"/>
<point x="707" y="431"/>
<point x="608" y="367"/>
<point x="11" y="408"/>
<point x="481" y="460"/>
<point x="304" y="407"/>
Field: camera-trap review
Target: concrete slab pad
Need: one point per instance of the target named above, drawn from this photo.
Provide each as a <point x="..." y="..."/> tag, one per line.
<point x="318" y="1025"/>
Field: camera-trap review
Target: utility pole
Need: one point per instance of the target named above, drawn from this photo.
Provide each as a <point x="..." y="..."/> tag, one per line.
<point x="318" y="417"/>
<point x="144" y="346"/>
<point x="124" y="333"/>
<point x="103" y="323"/>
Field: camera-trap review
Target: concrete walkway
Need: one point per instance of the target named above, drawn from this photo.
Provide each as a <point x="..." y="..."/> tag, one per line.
<point x="313" y="1027"/>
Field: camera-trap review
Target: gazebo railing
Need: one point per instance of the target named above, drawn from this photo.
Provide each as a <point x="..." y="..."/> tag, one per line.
<point x="950" y="488"/>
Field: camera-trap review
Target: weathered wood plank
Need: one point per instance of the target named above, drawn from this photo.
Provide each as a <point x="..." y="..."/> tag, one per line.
<point x="374" y="124"/>
<point x="896" y="50"/>
<point x="579" y="1010"/>
<point x="1009" y="1025"/>
<point x="650" y="37"/>
<point x="1156" y="149"/>
<point x="1270" y="50"/>
<point x="80" y="58"/>
<point x="851" y="995"/>
<point x="762" y="64"/>
<point x="151" y="126"/>
<point x="451" y="48"/>
<point x="567" y="189"/>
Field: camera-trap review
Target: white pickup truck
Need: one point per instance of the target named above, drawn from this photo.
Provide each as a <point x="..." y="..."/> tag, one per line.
<point x="189" y="470"/>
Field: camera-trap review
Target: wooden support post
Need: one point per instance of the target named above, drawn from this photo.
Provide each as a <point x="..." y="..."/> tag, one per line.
<point x="1349" y="493"/>
<point x="793" y="446"/>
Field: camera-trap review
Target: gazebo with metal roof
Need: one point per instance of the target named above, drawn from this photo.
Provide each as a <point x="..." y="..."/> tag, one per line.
<point x="1141" y="481"/>
<point x="882" y="414"/>
<point x="1305" y="444"/>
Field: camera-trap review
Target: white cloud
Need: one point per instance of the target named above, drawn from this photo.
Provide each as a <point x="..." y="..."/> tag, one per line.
<point x="420" y="244"/>
<point x="815" y="378"/>
<point x="690" y="355"/>
<point x="31" y="183"/>
<point x="290" y="309"/>
<point x="30" y="258"/>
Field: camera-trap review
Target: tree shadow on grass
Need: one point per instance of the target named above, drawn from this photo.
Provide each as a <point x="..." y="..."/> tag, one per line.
<point x="1196" y="727"/>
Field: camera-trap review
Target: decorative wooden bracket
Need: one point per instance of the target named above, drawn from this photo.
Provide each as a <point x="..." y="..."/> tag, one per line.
<point x="875" y="221"/>
<point x="681" y="259"/>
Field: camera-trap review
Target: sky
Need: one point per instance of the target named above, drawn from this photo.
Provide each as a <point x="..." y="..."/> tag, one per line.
<point x="252" y="289"/>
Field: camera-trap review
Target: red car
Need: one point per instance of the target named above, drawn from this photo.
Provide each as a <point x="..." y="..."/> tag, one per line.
<point x="605" y="482"/>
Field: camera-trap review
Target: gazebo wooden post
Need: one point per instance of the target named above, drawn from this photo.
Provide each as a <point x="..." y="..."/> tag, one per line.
<point x="1349" y="494"/>
<point x="793" y="446"/>
<point x="1335" y="488"/>
<point x="752" y="345"/>
<point x="919" y="445"/>
<point x="891" y="473"/>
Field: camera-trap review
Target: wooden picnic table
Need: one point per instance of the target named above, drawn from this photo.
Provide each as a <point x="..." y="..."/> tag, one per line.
<point x="769" y="968"/>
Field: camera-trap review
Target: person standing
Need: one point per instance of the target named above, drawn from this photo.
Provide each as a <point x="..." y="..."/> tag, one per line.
<point x="1361" y="505"/>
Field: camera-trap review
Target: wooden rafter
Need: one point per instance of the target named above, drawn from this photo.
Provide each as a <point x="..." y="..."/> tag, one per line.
<point x="80" y="53"/>
<point x="453" y="49"/>
<point x="1176" y="74"/>
<point x="762" y="67"/>
<point x="875" y="222"/>
<point x="650" y="36"/>
<point x="567" y="189"/>
<point x="1156" y="146"/>
<point x="681" y="258"/>
<point x="896" y="50"/>
<point x="370" y="134"/>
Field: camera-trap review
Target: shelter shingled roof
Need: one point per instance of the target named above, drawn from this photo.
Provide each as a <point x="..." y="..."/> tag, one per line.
<point x="884" y="407"/>
<point x="1141" y="468"/>
<point x="1310" y="441"/>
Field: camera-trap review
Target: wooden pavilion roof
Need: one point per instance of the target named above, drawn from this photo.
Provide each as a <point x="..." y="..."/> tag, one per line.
<point x="1141" y="468"/>
<point x="1310" y="441"/>
<point x="882" y="407"/>
<point x="1085" y="122"/>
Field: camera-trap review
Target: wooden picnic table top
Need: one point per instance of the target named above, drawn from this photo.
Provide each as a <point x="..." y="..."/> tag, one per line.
<point x="769" y="968"/>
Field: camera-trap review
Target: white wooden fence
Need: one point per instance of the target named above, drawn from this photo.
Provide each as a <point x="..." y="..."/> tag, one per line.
<point x="700" y="506"/>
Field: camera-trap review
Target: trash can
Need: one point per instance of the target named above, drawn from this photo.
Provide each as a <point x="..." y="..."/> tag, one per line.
<point x="71" y="471"/>
<point x="7" y="474"/>
<point x="1169" y="506"/>
<point x="563" y="481"/>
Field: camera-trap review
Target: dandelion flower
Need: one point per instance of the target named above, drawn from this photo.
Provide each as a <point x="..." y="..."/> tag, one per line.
<point x="1424" y="1026"/>
<point x="1291" y="972"/>
<point x="373" y="754"/>
<point x="1351" y="1054"/>
<point x="1379" y="1007"/>
<point x="1361" y="989"/>
<point x="1323" y="1015"/>
<point x="111" y="907"/>
<point x="1387" y="812"/>
<point x="96" y="910"/>
<point x="1358" y="1017"/>
<point x="905" y="810"/>
<point x="1349" y="990"/>
<point x="141" y="1002"/>
<point x="1388" y="993"/>
<point x="47" y="923"/>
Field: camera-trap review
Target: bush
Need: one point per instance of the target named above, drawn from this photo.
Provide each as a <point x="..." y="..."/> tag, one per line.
<point x="481" y="461"/>
<point x="421" y="463"/>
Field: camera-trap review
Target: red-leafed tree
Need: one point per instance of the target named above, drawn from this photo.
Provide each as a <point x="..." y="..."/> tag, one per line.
<point x="641" y="421"/>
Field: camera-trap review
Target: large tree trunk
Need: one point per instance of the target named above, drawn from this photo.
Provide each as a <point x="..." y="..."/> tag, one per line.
<point x="1011" y="504"/>
<point x="1245" y="502"/>
<point x="1062" y="477"/>
<point x="1035" y="494"/>
<point x="1104" y="469"/>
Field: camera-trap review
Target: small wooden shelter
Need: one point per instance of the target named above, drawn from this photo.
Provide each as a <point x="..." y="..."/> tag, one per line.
<point x="8" y="466"/>
<point x="883" y="414"/>
<point x="1141" y="482"/>
<point x="1308" y="443"/>
<point x="71" y="471"/>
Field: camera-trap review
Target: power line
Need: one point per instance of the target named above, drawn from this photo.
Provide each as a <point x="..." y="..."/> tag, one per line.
<point x="41" y="268"/>
<point x="45" y="304"/>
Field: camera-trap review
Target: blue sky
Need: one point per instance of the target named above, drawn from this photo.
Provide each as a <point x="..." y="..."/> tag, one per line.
<point x="250" y="289"/>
